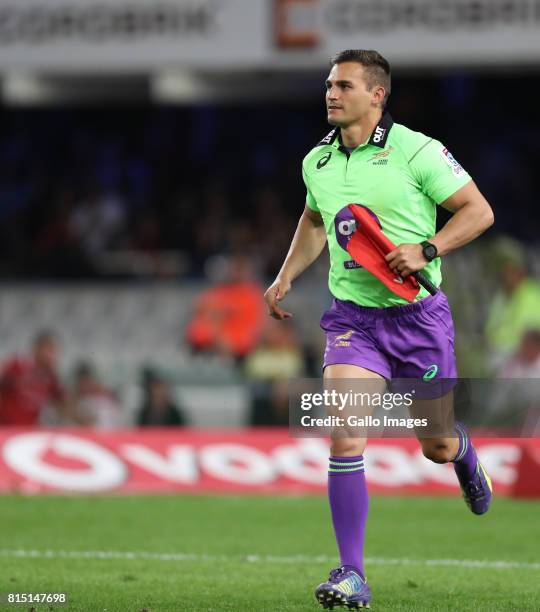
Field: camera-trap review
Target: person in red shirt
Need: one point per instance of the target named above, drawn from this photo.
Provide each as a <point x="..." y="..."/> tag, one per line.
<point x="29" y="383"/>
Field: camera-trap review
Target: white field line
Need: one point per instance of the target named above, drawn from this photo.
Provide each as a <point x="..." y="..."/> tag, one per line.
<point x="148" y="556"/>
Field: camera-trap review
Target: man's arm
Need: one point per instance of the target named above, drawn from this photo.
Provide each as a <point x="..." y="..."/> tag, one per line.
<point x="307" y="243"/>
<point x="472" y="216"/>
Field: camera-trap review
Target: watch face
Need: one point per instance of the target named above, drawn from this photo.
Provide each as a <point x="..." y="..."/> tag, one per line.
<point x="430" y="252"/>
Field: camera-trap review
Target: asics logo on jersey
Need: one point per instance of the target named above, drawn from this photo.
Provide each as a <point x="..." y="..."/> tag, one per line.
<point x="379" y="134"/>
<point x="324" y="160"/>
<point x="431" y="372"/>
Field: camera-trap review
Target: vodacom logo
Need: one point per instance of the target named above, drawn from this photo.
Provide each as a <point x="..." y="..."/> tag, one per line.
<point x="69" y="461"/>
<point x="27" y="453"/>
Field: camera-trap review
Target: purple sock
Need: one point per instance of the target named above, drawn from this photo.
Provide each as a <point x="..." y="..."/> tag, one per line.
<point x="348" y="495"/>
<point x="465" y="460"/>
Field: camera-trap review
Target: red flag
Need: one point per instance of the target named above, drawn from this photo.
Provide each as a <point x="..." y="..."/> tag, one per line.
<point x="368" y="247"/>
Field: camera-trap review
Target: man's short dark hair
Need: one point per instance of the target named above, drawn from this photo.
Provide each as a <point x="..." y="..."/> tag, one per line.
<point x="377" y="68"/>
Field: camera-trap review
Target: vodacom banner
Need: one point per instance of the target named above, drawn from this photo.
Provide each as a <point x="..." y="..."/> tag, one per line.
<point x="239" y="461"/>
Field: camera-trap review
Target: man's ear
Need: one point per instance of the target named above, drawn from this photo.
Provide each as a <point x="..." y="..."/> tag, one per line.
<point x="378" y="95"/>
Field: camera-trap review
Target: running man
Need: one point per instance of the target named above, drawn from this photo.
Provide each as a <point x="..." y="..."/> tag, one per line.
<point x="401" y="175"/>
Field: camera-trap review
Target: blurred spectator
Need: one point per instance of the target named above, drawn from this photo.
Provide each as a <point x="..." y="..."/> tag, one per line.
<point x="57" y="249"/>
<point x="276" y="360"/>
<point x="273" y="228"/>
<point x="525" y="362"/>
<point x="210" y="224"/>
<point x="147" y="233"/>
<point x="516" y="307"/>
<point x="278" y="355"/>
<point x="29" y="384"/>
<point x="158" y="409"/>
<point x="98" y="404"/>
<point x="98" y="221"/>
<point x="228" y="317"/>
<point x="516" y="394"/>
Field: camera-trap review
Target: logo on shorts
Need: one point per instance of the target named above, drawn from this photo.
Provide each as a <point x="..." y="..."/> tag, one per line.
<point x="430" y="373"/>
<point x="343" y="339"/>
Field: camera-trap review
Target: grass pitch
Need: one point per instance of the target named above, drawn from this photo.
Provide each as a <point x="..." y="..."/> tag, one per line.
<point x="181" y="553"/>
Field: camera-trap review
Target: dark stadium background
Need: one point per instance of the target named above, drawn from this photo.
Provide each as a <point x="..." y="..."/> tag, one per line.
<point x="162" y="161"/>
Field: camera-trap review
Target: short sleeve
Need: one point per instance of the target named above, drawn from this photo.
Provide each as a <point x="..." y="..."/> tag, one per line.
<point x="310" y="200"/>
<point x="437" y="171"/>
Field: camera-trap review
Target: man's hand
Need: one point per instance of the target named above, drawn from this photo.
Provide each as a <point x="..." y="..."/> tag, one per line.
<point x="274" y="294"/>
<point x="406" y="259"/>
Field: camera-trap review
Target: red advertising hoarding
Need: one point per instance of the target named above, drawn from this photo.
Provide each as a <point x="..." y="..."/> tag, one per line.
<point x="232" y="461"/>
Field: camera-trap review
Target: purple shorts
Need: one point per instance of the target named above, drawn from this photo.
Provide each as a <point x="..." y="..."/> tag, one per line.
<point x="409" y="341"/>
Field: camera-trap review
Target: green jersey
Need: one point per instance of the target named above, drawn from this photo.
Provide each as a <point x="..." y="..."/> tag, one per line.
<point x="401" y="176"/>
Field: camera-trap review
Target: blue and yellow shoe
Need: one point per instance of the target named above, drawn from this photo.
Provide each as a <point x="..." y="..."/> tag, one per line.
<point x="478" y="491"/>
<point x="345" y="588"/>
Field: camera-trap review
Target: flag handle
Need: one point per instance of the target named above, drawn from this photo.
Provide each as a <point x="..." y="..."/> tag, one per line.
<point x="425" y="282"/>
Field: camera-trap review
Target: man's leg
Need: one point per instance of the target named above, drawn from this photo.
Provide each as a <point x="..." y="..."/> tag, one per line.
<point x="348" y="497"/>
<point x="347" y="490"/>
<point x="442" y="443"/>
<point x="458" y="449"/>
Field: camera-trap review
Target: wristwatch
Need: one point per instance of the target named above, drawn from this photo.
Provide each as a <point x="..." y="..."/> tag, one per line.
<point x="429" y="250"/>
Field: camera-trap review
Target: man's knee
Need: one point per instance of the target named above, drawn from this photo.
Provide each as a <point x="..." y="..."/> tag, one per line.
<point x="439" y="451"/>
<point x="347" y="447"/>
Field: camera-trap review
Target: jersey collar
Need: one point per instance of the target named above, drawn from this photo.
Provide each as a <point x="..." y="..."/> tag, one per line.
<point x="378" y="137"/>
